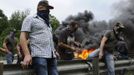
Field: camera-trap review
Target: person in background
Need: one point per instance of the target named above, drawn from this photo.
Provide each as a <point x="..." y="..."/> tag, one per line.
<point x="122" y="49"/>
<point x="9" y="46"/>
<point x="41" y="52"/>
<point x="65" y="41"/>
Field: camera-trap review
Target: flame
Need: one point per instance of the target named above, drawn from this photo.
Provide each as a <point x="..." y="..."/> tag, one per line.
<point x="84" y="54"/>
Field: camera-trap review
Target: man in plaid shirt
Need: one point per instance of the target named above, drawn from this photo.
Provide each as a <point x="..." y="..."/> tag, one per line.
<point x="37" y="29"/>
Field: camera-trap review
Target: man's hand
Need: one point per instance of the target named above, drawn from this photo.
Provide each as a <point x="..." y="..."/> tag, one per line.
<point x="75" y="48"/>
<point x="57" y="55"/>
<point x="100" y="55"/>
<point x="27" y="61"/>
<point x="4" y="50"/>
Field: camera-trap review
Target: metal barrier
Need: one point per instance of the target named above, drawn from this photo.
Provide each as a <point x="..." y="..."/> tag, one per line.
<point x="75" y="67"/>
<point x="122" y="67"/>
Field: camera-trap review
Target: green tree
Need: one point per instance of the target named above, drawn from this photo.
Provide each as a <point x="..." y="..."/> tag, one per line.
<point x="3" y="25"/>
<point x="17" y="18"/>
<point x="54" y="22"/>
<point x="3" y="21"/>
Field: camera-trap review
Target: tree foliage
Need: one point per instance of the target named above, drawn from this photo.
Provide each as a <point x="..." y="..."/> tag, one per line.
<point x="3" y="25"/>
<point x="3" y="21"/>
<point x="54" y="22"/>
<point x="17" y="18"/>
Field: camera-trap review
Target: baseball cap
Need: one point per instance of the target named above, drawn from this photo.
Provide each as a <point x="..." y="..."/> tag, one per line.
<point x="45" y="3"/>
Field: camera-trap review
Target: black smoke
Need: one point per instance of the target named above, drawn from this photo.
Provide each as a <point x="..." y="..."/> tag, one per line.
<point x="83" y="19"/>
<point x="91" y="31"/>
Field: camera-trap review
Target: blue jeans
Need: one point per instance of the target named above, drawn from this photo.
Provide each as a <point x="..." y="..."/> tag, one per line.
<point x="109" y="61"/>
<point x="45" y="66"/>
<point x="9" y="58"/>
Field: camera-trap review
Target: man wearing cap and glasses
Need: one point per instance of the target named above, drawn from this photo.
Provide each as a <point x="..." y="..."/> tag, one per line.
<point x="41" y="53"/>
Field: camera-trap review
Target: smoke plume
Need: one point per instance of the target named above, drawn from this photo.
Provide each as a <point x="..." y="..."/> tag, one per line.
<point x="91" y="31"/>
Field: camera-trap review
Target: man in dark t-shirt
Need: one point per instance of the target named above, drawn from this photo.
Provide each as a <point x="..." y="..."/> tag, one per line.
<point x="108" y="44"/>
<point x="9" y="44"/>
<point x="111" y="42"/>
<point x="65" y="37"/>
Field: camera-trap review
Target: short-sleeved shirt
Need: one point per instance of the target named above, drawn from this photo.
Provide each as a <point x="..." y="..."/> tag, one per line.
<point x="40" y="37"/>
<point x="111" y="42"/>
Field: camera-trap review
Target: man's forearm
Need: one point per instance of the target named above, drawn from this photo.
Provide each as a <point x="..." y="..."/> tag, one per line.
<point x="65" y="46"/>
<point x="103" y="41"/>
<point x="24" y="44"/>
<point x="5" y="47"/>
<point x="101" y="48"/>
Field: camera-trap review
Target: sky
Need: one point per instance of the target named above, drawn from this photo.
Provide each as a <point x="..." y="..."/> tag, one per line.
<point x="102" y="9"/>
